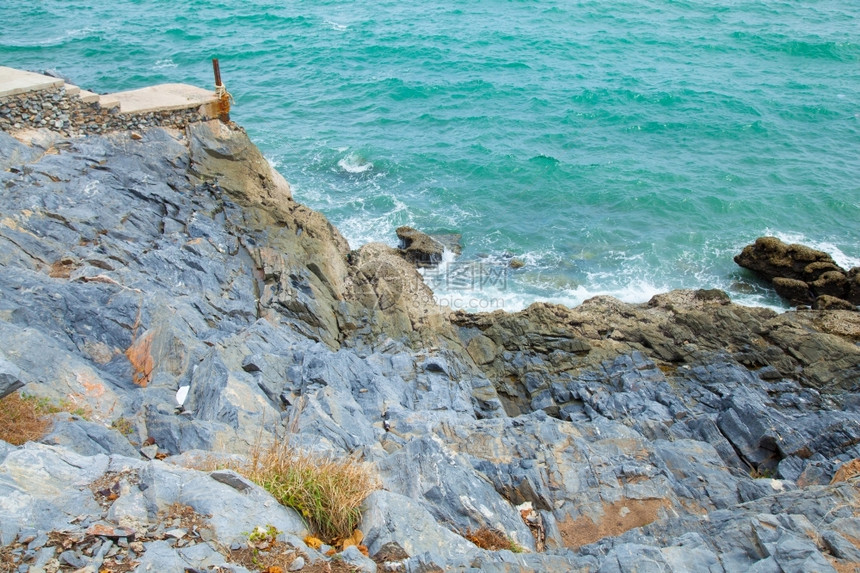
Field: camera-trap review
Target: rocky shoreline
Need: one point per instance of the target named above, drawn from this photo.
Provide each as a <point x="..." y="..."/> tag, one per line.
<point x="685" y="434"/>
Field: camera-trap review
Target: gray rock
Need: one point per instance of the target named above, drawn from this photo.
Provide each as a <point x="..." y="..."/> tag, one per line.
<point x="202" y="555"/>
<point x="43" y="556"/>
<point x="233" y="513"/>
<point x="14" y="153"/>
<point x="352" y="556"/>
<point x="460" y="498"/>
<point x="149" y="452"/>
<point x="47" y="503"/>
<point x="840" y="547"/>
<point x="135" y="267"/>
<point x="160" y="556"/>
<point x="793" y="553"/>
<point x="88" y="439"/>
<point x="232" y="479"/>
<point x="132" y="510"/>
<point x="691" y="553"/>
<point x="72" y="559"/>
<point x="393" y="517"/>
<point x="11" y="377"/>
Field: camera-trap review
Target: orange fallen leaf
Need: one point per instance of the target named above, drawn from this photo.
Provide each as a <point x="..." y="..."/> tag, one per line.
<point x="313" y="542"/>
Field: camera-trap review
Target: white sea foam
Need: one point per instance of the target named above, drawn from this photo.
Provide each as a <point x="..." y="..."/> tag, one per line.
<point x="448" y="256"/>
<point x="363" y="227"/>
<point x="354" y="163"/>
<point x="163" y="64"/>
<point x="336" y="26"/>
<point x="58" y="40"/>
<point x="273" y="163"/>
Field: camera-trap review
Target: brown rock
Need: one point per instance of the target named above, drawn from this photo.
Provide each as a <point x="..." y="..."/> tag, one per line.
<point x="852" y="289"/>
<point x="303" y="262"/>
<point x="681" y="327"/>
<point x="772" y="258"/>
<point x="391" y="551"/>
<point x="419" y="248"/>
<point x="388" y="297"/>
<point x="832" y="283"/>
<point x="846" y="471"/>
<point x="107" y="530"/>
<point x="827" y="302"/>
<point x="481" y="349"/>
<point x="793" y="290"/>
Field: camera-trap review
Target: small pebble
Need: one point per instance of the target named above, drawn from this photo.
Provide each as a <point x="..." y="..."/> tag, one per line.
<point x="72" y="559"/>
<point x="38" y="542"/>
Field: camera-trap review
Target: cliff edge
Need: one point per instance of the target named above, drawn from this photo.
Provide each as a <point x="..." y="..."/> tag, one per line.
<point x="688" y="432"/>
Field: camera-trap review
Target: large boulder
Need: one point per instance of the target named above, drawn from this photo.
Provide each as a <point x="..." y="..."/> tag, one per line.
<point x="802" y="275"/>
<point x="771" y="258"/>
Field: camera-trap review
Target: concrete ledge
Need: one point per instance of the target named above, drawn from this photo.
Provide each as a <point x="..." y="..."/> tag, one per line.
<point x="14" y="82"/>
<point x="163" y="97"/>
<point x="33" y="101"/>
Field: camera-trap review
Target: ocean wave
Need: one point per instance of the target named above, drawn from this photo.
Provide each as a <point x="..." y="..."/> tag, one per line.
<point x="354" y="163"/>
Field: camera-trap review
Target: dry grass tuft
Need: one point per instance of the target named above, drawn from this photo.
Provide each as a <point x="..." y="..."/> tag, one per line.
<point x="327" y="492"/>
<point x="23" y="419"/>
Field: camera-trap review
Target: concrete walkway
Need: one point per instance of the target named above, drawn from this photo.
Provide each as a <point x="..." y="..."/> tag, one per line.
<point x="14" y="82"/>
<point x="163" y="97"/>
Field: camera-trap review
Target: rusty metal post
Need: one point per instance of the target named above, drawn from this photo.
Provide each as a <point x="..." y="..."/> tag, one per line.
<point x="221" y="93"/>
<point x="217" y="71"/>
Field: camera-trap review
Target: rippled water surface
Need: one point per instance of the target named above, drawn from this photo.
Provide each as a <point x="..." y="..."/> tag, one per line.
<point x="620" y="148"/>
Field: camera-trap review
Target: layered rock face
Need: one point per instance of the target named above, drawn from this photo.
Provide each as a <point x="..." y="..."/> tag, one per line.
<point x="686" y="434"/>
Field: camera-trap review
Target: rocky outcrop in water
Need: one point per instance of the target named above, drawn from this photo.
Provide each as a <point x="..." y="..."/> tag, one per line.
<point x="802" y="275"/>
<point x="688" y="433"/>
<point x="419" y="248"/>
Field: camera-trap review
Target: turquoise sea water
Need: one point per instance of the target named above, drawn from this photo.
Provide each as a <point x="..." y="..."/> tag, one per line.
<point x="621" y="148"/>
